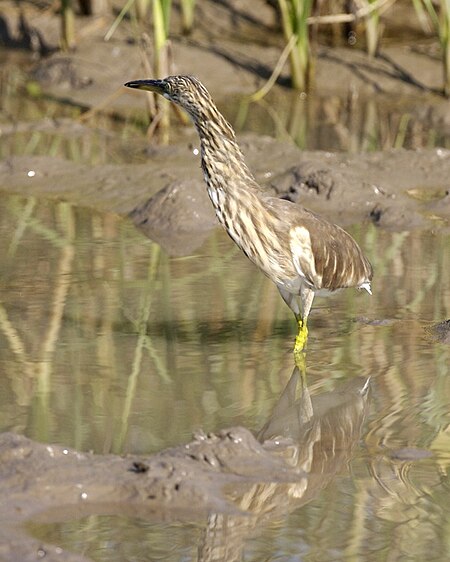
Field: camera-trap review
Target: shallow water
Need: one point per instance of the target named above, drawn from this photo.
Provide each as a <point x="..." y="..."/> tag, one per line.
<point x="34" y="124"/>
<point x="108" y="344"/>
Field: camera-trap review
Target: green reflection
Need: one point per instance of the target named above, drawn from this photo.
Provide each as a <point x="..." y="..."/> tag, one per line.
<point x="109" y="344"/>
<point x="103" y="334"/>
<point x="36" y="124"/>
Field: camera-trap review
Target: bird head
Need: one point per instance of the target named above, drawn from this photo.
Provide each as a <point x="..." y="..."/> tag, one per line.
<point x="186" y="91"/>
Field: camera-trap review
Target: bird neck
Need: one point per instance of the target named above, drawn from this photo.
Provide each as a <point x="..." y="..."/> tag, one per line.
<point x="223" y="163"/>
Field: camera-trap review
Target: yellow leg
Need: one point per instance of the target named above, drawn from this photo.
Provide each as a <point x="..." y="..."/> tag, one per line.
<point x="300" y="347"/>
<point x="302" y="336"/>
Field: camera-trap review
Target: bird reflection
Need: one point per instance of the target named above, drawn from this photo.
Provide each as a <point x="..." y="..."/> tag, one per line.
<point x="315" y="437"/>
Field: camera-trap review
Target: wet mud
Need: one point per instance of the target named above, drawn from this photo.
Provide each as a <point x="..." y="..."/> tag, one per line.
<point x="232" y="479"/>
<point x="398" y="190"/>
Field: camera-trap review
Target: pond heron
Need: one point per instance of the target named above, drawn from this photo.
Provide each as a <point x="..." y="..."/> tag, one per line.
<point x="302" y="253"/>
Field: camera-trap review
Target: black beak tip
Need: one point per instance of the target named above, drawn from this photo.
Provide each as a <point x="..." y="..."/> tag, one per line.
<point x="148" y="85"/>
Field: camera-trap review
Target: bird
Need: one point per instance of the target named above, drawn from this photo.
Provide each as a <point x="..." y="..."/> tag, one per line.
<point x="301" y="252"/>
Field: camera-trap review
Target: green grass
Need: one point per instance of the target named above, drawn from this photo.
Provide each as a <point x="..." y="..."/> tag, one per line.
<point x="294" y="17"/>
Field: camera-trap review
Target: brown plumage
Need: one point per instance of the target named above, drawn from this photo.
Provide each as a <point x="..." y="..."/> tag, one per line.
<point x="302" y="253"/>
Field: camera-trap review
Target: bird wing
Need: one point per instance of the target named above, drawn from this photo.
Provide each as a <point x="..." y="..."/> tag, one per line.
<point x="323" y="254"/>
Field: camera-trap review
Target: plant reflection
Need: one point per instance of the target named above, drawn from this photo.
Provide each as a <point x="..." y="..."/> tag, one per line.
<point x="137" y="335"/>
<point x="246" y="482"/>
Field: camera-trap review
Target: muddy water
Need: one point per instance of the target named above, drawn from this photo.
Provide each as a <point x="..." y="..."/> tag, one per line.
<point x="107" y="344"/>
<point x="34" y="124"/>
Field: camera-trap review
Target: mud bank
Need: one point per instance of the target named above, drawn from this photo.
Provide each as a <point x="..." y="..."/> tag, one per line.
<point x="400" y="190"/>
<point x="248" y="479"/>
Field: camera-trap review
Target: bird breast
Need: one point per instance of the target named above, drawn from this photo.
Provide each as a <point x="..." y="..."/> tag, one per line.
<point x="247" y="224"/>
<point x="214" y="196"/>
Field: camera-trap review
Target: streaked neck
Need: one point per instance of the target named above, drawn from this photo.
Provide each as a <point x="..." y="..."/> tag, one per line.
<point x="223" y="163"/>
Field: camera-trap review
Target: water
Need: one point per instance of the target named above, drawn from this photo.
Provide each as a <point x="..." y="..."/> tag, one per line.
<point x="108" y="344"/>
<point x="32" y="124"/>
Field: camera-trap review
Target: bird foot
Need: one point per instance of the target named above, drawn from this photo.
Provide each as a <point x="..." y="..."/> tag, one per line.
<point x="301" y="338"/>
<point x="300" y="347"/>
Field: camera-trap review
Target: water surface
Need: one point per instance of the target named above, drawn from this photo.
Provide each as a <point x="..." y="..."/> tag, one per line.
<point x="108" y="344"/>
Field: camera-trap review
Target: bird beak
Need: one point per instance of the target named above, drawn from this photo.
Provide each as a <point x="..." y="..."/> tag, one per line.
<point x="149" y="85"/>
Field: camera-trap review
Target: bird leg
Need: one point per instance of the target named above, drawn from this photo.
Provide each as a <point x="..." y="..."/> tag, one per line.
<point x="300" y="346"/>
<point x="307" y="297"/>
<point x="302" y="335"/>
<point x="292" y="300"/>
